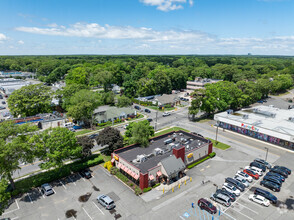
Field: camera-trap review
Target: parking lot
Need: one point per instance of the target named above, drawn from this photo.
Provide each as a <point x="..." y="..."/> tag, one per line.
<point x="74" y="196"/>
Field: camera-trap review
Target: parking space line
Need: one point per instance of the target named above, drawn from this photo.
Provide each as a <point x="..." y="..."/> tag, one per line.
<point x="13" y="209"/>
<point x="202" y="169"/>
<point x="53" y="190"/>
<point x="81" y="177"/>
<point x="242" y="214"/>
<point x="182" y="217"/>
<point x="14" y="218"/>
<point x="30" y="198"/>
<point x="41" y="193"/>
<point x="62" y="184"/>
<point x="87" y="213"/>
<point x="247" y="208"/>
<point x="72" y="180"/>
<point x="253" y="203"/>
<point x="102" y="168"/>
<point x="98" y="208"/>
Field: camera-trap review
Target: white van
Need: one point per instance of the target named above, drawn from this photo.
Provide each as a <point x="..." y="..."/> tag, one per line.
<point x="68" y="125"/>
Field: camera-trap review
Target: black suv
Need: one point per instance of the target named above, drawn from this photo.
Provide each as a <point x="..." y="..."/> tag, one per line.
<point x="137" y="107"/>
<point x="276" y="175"/>
<point x="279" y="171"/>
<point x="238" y="185"/>
<point x="273" y="179"/>
<point x="268" y="184"/>
<point x="285" y="169"/>
<point x="266" y="194"/>
<point x="263" y="162"/>
<point x="258" y="165"/>
<point x="147" y="110"/>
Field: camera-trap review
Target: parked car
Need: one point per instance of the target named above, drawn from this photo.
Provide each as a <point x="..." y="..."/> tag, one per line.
<point x="279" y="171"/>
<point x="260" y="101"/>
<point x="273" y="179"/>
<point x="259" y="199"/>
<point x="231" y="188"/>
<point x="232" y="196"/>
<point x="266" y="194"/>
<point x="47" y="189"/>
<point x="165" y="114"/>
<point x="106" y="201"/>
<point x="85" y="173"/>
<point x="149" y="119"/>
<point x="255" y="169"/>
<point x="245" y="176"/>
<point x="242" y="180"/>
<point x="284" y="169"/>
<point x="258" y="165"/>
<point x="221" y="198"/>
<point x="3" y="102"/>
<point x="2" y="107"/>
<point x="280" y="177"/>
<point x="238" y="185"/>
<point x="268" y="184"/>
<point x="137" y="107"/>
<point x="251" y="173"/>
<point x="207" y="206"/>
<point x="72" y="129"/>
<point x="93" y="136"/>
<point x="147" y="110"/>
<point x="263" y="162"/>
<point x="76" y="127"/>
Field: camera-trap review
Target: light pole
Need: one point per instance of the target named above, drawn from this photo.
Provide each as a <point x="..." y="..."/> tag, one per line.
<point x="156" y="121"/>
<point x="217" y="123"/>
<point x="266" y="153"/>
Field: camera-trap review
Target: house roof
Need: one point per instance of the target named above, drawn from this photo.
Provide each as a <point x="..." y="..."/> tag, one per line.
<point x="112" y="112"/>
<point x="172" y="165"/>
<point x="166" y="99"/>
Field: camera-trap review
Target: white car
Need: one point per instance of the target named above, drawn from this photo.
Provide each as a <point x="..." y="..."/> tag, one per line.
<point x="242" y="180"/>
<point x="125" y="126"/>
<point x="255" y="169"/>
<point x="165" y="114"/>
<point x="232" y="189"/>
<point x="245" y="176"/>
<point x="259" y="199"/>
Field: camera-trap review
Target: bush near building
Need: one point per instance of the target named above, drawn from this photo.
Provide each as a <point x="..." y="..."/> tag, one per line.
<point x="211" y="155"/>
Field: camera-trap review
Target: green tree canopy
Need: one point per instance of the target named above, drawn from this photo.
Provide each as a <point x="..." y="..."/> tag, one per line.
<point x="123" y="101"/>
<point x="141" y="132"/>
<point x="110" y="136"/>
<point x="4" y="195"/>
<point x="30" y="100"/>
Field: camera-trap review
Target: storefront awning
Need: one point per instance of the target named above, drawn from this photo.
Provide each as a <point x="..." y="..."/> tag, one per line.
<point x="112" y="160"/>
<point x="151" y="177"/>
<point x="129" y="172"/>
<point x="119" y="165"/>
<point x="159" y="173"/>
<point x="136" y="176"/>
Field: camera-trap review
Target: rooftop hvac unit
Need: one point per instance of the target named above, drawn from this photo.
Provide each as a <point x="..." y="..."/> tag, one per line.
<point x="157" y="151"/>
<point x="230" y="111"/>
<point x="141" y="158"/>
<point x="245" y="116"/>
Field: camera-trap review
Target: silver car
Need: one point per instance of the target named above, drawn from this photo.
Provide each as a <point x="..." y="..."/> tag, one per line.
<point x="242" y="180"/>
<point x="47" y="189"/>
<point x="106" y="201"/>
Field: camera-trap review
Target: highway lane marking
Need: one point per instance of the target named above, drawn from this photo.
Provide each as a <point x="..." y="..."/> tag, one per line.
<point x="98" y="208"/>
<point x="62" y="184"/>
<point x="87" y="213"/>
<point x="30" y="198"/>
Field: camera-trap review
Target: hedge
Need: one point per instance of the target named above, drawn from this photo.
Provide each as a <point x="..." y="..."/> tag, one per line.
<point x="211" y="155"/>
<point x="26" y="184"/>
<point x="157" y="184"/>
<point x="198" y="162"/>
<point x="147" y="189"/>
<point x="122" y="177"/>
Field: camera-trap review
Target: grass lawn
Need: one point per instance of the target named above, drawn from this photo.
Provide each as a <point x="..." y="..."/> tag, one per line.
<point x="219" y="145"/>
<point x="84" y="131"/>
<point x="170" y="130"/>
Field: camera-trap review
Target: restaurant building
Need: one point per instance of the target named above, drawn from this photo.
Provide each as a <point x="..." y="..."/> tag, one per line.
<point x="265" y="123"/>
<point x="164" y="160"/>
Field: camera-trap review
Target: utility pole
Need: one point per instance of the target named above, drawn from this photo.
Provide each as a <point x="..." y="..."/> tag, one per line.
<point x="266" y="153"/>
<point x="216" y="133"/>
<point x="156" y="121"/>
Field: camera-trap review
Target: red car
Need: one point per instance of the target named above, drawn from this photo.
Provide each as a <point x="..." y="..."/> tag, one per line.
<point x="207" y="206"/>
<point x="251" y="173"/>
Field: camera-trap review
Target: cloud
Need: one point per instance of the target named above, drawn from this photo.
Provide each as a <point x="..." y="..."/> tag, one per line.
<point x="20" y="42"/>
<point x="167" y="5"/>
<point x="2" y="37"/>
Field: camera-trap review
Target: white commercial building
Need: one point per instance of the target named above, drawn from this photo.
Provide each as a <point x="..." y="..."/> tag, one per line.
<point x="265" y="123"/>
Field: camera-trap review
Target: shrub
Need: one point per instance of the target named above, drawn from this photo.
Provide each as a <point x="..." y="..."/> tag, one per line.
<point x="138" y="191"/>
<point x="211" y="155"/>
<point x="113" y="170"/>
<point x="147" y="189"/>
<point x="198" y="162"/>
<point x="157" y="184"/>
<point x="131" y="184"/>
<point x="122" y="177"/>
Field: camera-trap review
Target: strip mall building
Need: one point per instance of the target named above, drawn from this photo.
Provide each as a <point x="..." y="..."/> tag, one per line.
<point x="164" y="160"/>
<point x="265" y="123"/>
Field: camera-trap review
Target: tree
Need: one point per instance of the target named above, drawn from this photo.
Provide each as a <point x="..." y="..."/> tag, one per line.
<point x="15" y="147"/>
<point x="141" y="132"/>
<point x="55" y="145"/>
<point x="82" y="104"/>
<point x="30" y="100"/>
<point x="77" y="75"/>
<point x="103" y="77"/>
<point x="123" y="101"/>
<point x="111" y="137"/>
<point x="4" y="195"/>
<point x="195" y="106"/>
<point x="87" y="144"/>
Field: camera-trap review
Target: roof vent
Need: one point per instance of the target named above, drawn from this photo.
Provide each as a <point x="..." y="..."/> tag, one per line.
<point x="245" y="116"/>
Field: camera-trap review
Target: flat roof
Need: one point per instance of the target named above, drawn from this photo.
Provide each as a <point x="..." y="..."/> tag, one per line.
<point x="265" y="118"/>
<point x="130" y="153"/>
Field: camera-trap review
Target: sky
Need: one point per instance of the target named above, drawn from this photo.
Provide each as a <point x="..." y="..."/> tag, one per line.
<point x="48" y="27"/>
